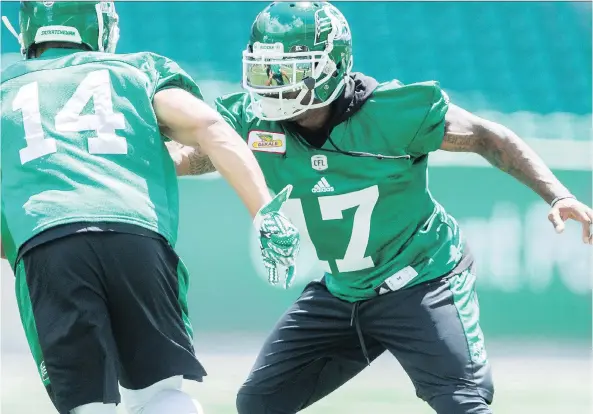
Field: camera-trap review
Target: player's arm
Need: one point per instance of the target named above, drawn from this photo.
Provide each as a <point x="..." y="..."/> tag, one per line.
<point x="466" y="132"/>
<point x="191" y="122"/>
<point x="189" y="160"/>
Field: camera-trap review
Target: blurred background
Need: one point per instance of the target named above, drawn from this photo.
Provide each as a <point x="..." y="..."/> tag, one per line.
<point x="524" y="64"/>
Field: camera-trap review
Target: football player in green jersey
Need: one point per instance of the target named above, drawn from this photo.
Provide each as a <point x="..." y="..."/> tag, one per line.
<point x="275" y="73"/>
<point x="90" y="209"/>
<point x="399" y="276"/>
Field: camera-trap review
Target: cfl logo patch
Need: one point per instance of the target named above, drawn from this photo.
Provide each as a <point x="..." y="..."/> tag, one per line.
<point x="319" y="162"/>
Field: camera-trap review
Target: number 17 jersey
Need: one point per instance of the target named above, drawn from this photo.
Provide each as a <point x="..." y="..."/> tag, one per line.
<point x="372" y="220"/>
<point x="81" y="143"/>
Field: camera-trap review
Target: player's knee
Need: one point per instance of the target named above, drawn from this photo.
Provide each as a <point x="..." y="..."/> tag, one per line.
<point x="163" y="397"/>
<point x="252" y="403"/>
<point x="245" y="403"/>
<point x="263" y="403"/>
<point x="173" y="402"/>
<point x="94" y="408"/>
<point x="470" y="402"/>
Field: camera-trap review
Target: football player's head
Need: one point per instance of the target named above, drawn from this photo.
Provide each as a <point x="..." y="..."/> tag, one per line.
<point x="298" y="56"/>
<point x="92" y="25"/>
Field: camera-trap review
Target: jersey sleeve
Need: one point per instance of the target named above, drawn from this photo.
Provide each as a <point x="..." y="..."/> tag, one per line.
<point x="232" y="108"/>
<point x="8" y="245"/>
<point x="170" y="75"/>
<point x="163" y="73"/>
<point x="429" y="136"/>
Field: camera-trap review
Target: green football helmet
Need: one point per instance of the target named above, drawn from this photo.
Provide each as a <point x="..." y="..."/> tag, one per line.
<point x="296" y="48"/>
<point x="93" y="24"/>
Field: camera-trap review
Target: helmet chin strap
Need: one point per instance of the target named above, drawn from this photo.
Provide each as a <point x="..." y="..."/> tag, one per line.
<point x="328" y="101"/>
<point x="293" y="107"/>
<point x="11" y="28"/>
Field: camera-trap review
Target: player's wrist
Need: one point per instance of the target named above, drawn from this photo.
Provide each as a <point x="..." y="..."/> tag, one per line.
<point x="562" y="197"/>
<point x="260" y="216"/>
<point x="257" y="220"/>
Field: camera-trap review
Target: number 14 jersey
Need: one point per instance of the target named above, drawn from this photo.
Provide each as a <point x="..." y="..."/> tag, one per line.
<point x="81" y="143"/>
<point x="372" y="221"/>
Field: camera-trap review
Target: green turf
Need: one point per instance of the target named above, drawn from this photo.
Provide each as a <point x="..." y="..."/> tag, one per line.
<point x="528" y="384"/>
<point x="259" y="77"/>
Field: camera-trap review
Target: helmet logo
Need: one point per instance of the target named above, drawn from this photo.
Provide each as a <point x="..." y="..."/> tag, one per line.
<point x="107" y="7"/>
<point x="323" y="26"/>
<point x="48" y="3"/>
<point x="330" y="21"/>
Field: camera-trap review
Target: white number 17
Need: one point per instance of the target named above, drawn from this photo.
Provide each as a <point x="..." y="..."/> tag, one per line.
<point x="331" y="209"/>
<point x="96" y="86"/>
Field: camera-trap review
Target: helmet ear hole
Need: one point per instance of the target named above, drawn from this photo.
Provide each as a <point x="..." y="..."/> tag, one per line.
<point x="338" y="66"/>
<point x="31" y="51"/>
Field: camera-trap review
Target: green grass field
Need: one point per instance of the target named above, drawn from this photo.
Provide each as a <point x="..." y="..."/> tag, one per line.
<point x="532" y="382"/>
<point x="259" y="76"/>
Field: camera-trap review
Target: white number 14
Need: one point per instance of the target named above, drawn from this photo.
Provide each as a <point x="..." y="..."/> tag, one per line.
<point x="96" y="85"/>
<point x="331" y="209"/>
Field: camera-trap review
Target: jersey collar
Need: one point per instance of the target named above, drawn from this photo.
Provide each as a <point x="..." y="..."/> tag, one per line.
<point x="357" y="91"/>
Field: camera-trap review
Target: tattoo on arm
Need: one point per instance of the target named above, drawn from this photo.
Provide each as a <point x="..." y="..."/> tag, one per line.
<point x="200" y="163"/>
<point x="189" y="160"/>
<point x="465" y="132"/>
<point x="460" y="132"/>
<point x="460" y="142"/>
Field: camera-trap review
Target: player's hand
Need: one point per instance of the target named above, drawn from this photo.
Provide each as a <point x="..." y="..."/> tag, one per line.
<point x="572" y="209"/>
<point x="279" y="239"/>
<point x="180" y="156"/>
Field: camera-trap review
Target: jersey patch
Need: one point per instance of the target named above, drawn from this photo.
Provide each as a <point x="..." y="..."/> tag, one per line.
<point x="319" y="162"/>
<point x="263" y="141"/>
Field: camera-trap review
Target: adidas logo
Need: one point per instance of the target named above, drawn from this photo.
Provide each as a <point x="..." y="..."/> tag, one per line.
<point x="322" y="187"/>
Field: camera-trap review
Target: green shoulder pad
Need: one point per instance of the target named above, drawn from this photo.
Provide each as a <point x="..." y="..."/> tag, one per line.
<point x="163" y="72"/>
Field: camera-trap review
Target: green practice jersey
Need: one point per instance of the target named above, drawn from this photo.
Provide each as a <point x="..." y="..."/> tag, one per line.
<point x="275" y="69"/>
<point x="81" y="143"/>
<point x="372" y="221"/>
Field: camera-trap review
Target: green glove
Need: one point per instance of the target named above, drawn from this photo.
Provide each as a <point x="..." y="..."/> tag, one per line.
<point x="279" y="239"/>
